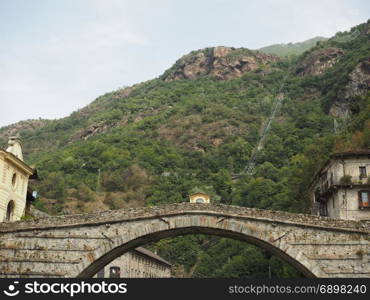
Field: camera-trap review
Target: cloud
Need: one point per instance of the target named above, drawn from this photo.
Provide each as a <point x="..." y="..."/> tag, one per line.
<point x="293" y="21"/>
<point x="67" y="69"/>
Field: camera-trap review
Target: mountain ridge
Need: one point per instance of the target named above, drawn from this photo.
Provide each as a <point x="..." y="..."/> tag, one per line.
<point x="292" y="48"/>
<point x="132" y="107"/>
<point x="154" y="142"/>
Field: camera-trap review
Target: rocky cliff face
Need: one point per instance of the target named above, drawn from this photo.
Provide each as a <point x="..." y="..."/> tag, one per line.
<point x="220" y="62"/>
<point x="358" y="84"/>
<point x="319" y="61"/>
<point x="22" y="126"/>
<point x="86" y="133"/>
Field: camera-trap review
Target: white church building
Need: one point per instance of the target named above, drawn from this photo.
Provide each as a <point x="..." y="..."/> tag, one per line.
<point x="14" y="176"/>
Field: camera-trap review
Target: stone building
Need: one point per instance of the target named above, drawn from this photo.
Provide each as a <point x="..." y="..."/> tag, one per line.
<point x="341" y="189"/>
<point x="15" y="195"/>
<point x="139" y="263"/>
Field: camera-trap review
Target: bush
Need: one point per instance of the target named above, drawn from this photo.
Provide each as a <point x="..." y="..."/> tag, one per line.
<point x="346" y="180"/>
<point x="84" y="193"/>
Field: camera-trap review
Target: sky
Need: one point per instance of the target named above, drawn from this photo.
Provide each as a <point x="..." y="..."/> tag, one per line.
<point x="58" y="56"/>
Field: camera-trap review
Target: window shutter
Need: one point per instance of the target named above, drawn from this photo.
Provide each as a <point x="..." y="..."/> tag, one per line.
<point x="365" y="202"/>
<point x="363" y="197"/>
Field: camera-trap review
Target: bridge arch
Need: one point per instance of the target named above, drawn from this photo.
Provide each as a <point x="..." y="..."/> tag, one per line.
<point x="91" y="269"/>
<point x="79" y="245"/>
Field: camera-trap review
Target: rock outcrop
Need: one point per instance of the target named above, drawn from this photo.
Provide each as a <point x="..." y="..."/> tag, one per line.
<point x="358" y="84"/>
<point x="22" y="126"/>
<point x="222" y="63"/>
<point x="317" y="62"/>
<point x="90" y="131"/>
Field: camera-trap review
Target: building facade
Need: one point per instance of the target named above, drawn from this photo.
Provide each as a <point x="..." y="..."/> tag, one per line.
<point x="139" y="263"/>
<point x="341" y="189"/>
<point x="200" y="198"/>
<point x="14" y="176"/>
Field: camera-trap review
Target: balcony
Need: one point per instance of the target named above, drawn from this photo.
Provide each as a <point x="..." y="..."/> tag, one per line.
<point x="322" y="193"/>
<point x="328" y="187"/>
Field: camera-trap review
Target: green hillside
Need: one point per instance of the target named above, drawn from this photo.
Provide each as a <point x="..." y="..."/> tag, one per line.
<point x="196" y="126"/>
<point x="292" y="48"/>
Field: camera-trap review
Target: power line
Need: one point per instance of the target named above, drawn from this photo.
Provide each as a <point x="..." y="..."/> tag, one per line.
<point x="249" y="168"/>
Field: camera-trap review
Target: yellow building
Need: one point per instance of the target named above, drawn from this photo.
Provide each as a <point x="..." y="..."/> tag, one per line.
<point x="14" y="176"/>
<point x="200" y="198"/>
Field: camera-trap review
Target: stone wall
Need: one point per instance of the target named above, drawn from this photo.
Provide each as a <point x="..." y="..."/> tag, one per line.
<point x="80" y="245"/>
<point x="141" y="213"/>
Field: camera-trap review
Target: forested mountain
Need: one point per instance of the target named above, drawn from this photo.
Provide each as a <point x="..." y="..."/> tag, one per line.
<point x="197" y="125"/>
<point x="292" y="48"/>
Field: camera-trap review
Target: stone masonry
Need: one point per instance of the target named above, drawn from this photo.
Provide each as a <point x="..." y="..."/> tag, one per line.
<point x="80" y="245"/>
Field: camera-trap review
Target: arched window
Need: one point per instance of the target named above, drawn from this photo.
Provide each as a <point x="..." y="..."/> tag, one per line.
<point x="199" y="200"/>
<point x="115" y="272"/>
<point x="10" y="211"/>
<point x="14" y="179"/>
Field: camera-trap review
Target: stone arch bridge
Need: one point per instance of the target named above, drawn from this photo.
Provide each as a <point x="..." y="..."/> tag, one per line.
<point x="80" y="245"/>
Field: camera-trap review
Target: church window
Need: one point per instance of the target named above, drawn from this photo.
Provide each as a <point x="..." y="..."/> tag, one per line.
<point x="14" y="179"/>
<point x="199" y="200"/>
<point x="10" y="211"/>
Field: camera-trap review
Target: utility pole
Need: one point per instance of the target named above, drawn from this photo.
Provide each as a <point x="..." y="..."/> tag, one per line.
<point x="98" y="182"/>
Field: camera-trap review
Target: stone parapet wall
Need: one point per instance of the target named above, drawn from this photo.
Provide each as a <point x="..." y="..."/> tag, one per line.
<point x="133" y="214"/>
<point x="80" y="245"/>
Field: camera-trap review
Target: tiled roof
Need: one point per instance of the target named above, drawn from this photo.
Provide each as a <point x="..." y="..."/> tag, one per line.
<point x="362" y="152"/>
<point x="150" y="254"/>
